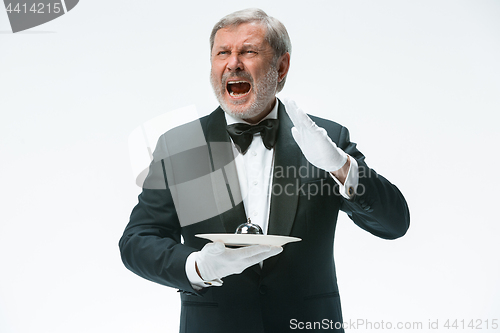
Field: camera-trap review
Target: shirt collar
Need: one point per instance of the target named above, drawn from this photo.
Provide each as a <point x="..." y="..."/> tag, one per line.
<point x="271" y="115"/>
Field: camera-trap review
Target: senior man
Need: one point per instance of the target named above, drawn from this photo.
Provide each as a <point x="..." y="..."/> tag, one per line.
<point x="289" y="172"/>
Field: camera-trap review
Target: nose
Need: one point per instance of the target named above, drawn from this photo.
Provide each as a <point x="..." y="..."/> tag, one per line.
<point x="234" y="62"/>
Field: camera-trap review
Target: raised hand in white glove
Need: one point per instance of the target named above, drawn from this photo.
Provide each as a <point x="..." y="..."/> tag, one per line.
<point x="216" y="261"/>
<point x="313" y="140"/>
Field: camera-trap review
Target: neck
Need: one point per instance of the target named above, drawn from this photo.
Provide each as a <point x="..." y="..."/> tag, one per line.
<point x="263" y="114"/>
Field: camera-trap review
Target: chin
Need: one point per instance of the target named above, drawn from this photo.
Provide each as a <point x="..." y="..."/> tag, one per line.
<point x="241" y="114"/>
<point x="240" y="111"/>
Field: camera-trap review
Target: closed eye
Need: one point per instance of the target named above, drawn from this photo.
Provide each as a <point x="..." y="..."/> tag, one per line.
<point x="249" y="52"/>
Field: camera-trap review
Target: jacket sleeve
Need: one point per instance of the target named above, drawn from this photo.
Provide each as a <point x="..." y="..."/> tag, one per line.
<point x="151" y="243"/>
<point x="378" y="206"/>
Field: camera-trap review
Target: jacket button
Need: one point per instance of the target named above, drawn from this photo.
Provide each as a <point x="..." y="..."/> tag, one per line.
<point x="263" y="290"/>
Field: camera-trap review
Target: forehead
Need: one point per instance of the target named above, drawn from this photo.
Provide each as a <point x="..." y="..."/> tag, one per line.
<point x="245" y="33"/>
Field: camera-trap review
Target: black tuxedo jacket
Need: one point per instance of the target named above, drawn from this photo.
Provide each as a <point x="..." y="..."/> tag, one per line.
<point x="297" y="286"/>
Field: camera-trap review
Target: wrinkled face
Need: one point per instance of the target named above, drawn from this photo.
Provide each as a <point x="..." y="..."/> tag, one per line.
<point x="243" y="75"/>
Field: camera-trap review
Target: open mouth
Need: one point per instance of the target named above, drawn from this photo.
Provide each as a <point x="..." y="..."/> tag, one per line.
<point x="238" y="88"/>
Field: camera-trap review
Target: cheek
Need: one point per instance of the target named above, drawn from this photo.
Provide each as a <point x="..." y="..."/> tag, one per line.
<point x="217" y="69"/>
<point x="258" y="71"/>
<point x="216" y="77"/>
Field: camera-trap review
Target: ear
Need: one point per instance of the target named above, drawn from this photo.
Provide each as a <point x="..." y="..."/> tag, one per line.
<point x="283" y="66"/>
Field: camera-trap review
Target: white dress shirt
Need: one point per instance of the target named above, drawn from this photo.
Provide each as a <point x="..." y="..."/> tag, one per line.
<point x="255" y="174"/>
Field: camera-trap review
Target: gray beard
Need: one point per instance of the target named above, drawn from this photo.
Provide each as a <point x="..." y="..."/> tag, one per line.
<point x="263" y="90"/>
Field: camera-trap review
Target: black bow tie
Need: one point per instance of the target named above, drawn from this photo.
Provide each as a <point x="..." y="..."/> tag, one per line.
<point x="242" y="134"/>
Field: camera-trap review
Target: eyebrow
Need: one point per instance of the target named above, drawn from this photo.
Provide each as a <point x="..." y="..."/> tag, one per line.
<point x="249" y="45"/>
<point x="244" y="46"/>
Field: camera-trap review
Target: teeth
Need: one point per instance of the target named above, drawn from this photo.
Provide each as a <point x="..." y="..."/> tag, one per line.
<point x="233" y="82"/>
<point x="233" y="94"/>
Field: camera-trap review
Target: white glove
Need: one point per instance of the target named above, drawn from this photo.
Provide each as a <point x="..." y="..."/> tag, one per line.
<point x="216" y="261"/>
<point x="313" y="140"/>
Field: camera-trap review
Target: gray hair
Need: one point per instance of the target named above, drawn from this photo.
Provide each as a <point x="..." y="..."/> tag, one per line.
<point x="276" y="34"/>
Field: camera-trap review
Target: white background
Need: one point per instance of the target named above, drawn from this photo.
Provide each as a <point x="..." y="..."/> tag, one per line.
<point x="416" y="82"/>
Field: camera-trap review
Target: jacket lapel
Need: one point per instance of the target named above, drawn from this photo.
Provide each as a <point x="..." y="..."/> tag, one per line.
<point x="226" y="185"/>
<point x="284" y="196"/>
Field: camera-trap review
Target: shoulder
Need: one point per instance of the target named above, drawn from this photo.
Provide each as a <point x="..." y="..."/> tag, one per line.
<point x="194" y="127"/>
<point x="182" y="138"/>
